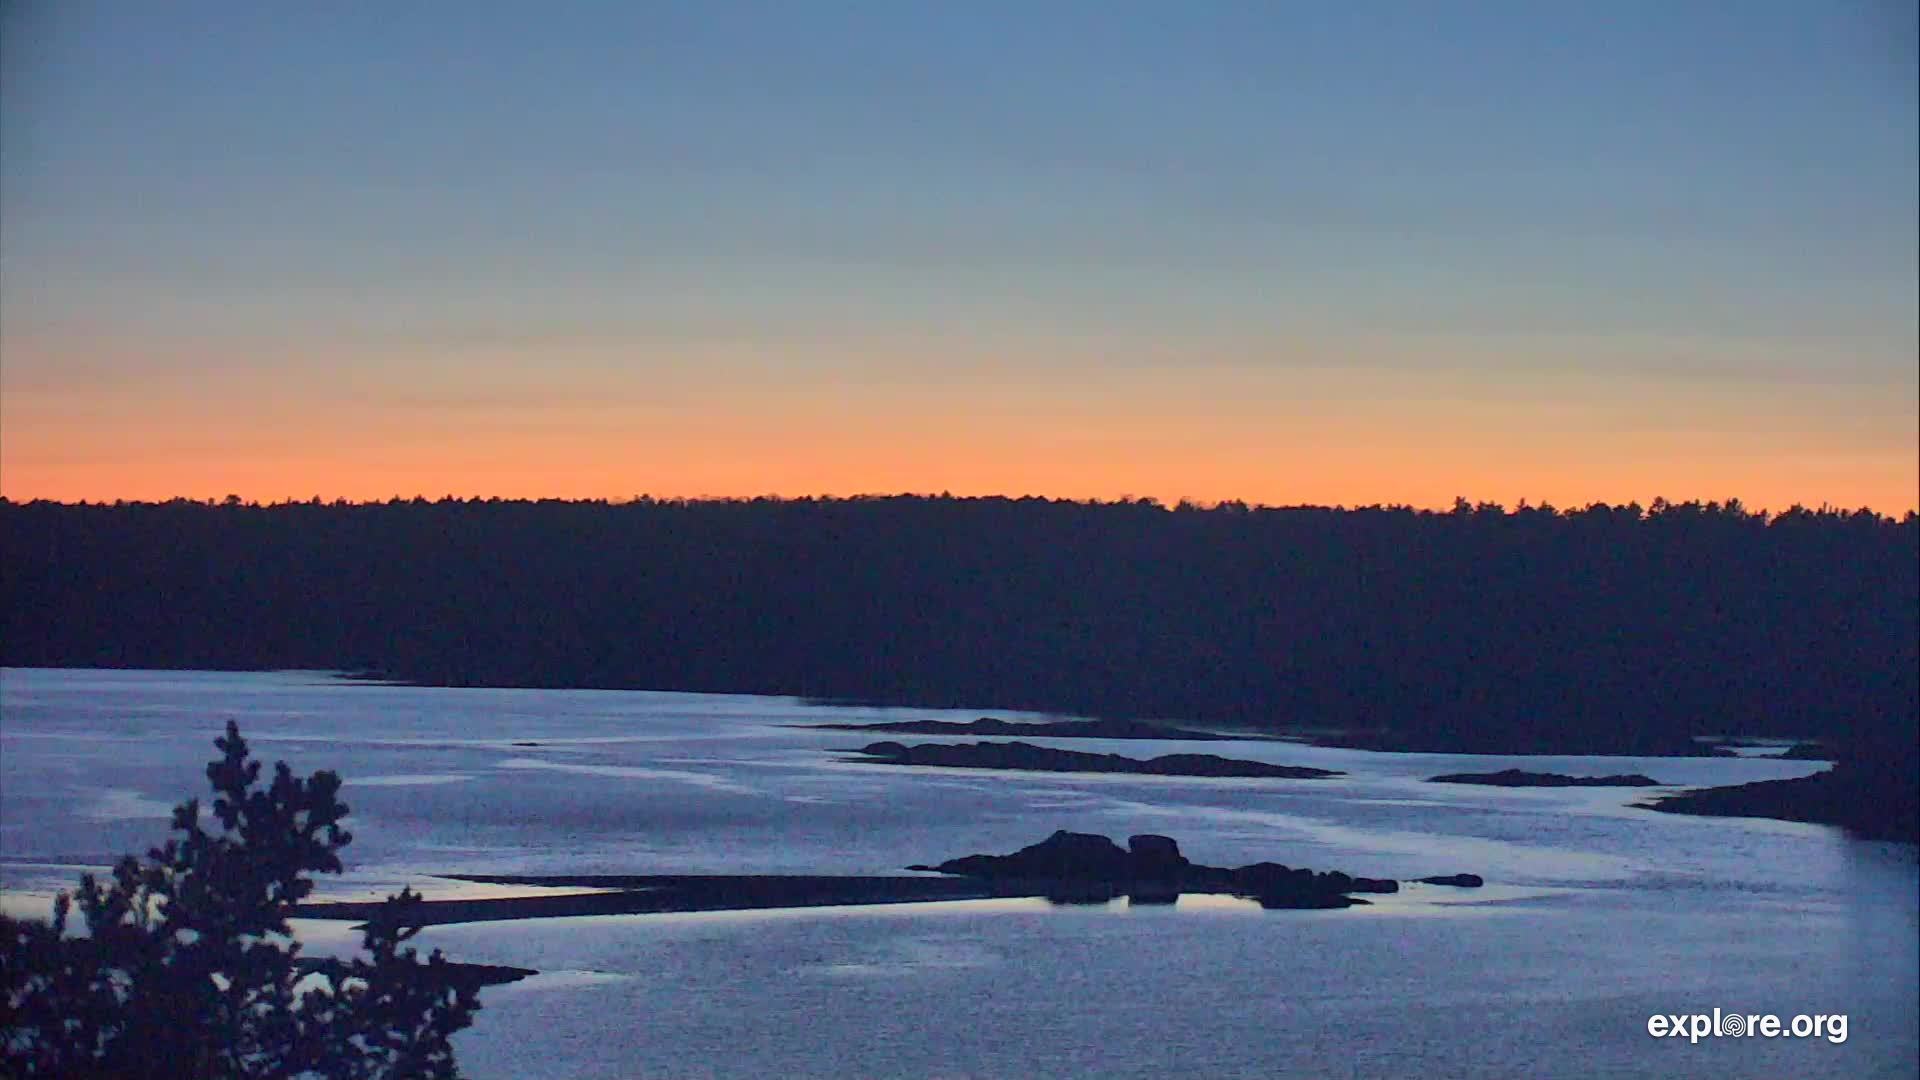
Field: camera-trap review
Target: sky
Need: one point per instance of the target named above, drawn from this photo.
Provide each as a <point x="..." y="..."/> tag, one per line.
<point x="1277" y="251"/>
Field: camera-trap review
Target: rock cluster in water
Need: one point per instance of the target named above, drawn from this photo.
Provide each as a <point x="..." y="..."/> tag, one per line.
<point x="1091" y="867"/>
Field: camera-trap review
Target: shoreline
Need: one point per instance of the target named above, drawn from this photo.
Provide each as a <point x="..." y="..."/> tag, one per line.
<point x="1832" y="798"/>
<point x="1376" y="740"/>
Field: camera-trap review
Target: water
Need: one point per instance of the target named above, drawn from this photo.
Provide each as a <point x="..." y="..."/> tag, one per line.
<point x="1596" y="914"/>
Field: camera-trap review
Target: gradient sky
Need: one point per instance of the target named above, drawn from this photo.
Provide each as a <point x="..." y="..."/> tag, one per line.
<point x="1284" y="252"/>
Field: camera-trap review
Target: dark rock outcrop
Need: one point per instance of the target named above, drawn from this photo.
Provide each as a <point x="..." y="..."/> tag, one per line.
<point x="1050" y="729"/>
<point x="1064" y="855"/>
<point x="1155" y="856"/>
<point x="1274" y="880"/>
<point x="1151" y="869"/>
<point x="1031" y="758"/>
<point x="1522" y="778"/>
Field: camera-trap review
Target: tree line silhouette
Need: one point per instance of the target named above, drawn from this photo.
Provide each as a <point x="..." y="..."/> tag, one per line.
<point x="1601" y="629"/>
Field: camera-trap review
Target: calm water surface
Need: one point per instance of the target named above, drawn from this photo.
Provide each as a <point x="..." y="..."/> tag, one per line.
<point x="1596" y="914"/>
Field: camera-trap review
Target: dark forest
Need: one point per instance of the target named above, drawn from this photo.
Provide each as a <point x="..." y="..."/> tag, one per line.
<point x="1604" y="629"/>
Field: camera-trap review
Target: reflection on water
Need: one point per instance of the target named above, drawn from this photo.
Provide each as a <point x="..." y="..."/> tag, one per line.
<point x="411" y="779"/>
<point x="112" y="804"/>
<point x="629" y="772"/>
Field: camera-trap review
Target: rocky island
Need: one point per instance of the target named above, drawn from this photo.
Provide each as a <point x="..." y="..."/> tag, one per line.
<point x="1066" y="868"/>
<point x="1089" y="867"/>
<point x="1031" y="758"/>
<point x="1522" y="778"/>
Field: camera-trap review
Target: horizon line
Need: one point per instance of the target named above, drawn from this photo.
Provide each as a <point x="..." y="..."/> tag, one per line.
<point x="1657" y="504"/>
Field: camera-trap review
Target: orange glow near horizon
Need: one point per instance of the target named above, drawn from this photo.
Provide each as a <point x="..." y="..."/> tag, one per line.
<point x="1320" y="436"/>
